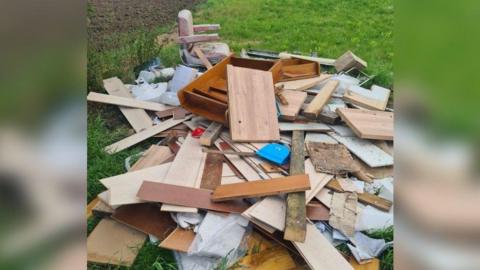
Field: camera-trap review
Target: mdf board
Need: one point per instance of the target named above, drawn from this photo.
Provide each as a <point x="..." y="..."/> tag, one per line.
<point x="261" y="188"/>
<point x="146" y="218"/>
<point x="188" y="197"/>
<point x="367" y="124"/>
<point x="271" y="211"/>
<point x="295" y="101"/>
<point x="155" y="155"/>
<point x="319" y="253"/>
<point x="113" y="243"/>
<point x="185" y="169"/>
<point x="126" y="102"/>
<point x="179" y="240"/>
<point x="316" y="105"/>
<point x="252" y="109"/>
<point x="138" y="118"/>
<point x="143" y="135"/>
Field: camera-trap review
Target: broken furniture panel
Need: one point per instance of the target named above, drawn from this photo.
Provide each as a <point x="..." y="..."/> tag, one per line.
<point x="330" y="158"/>
<point x="349" y="60"/>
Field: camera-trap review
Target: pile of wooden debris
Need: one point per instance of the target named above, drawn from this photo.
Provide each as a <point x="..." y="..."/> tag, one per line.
<point x="267" y="164"/>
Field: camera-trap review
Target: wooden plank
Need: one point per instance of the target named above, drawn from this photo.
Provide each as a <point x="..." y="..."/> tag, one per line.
<point x="188" y="197"/>
<point x="349" y="60"/>
<point x="261" y="188"/>
<point x="316" y="105"/>
<point x="320" y="60"/>
<point x="368" y="124"/>
<point x="211" y="134"/>
<point x="202" y="57"/>
<point x="295" y="221"/>
<point x="138" y="118"/>
<point x="304" y="84"/>
<point x="271" y="211"/>
<point x="171" y="112"/>
<point x="295" y="101"/>
<point x="113" y="243"/>
<point x="90" y="207"/>
<point x="253" y="89"/>
<point x="212" y="172"/>
<point x="146" y="218"/>
<point x="365" y="197"/>
<point x="372" y="155"/>
<point x="185" y="169"/>
<point x="179" y="240"/>
<point x="155" y="155"/>
<point x="375" y="99"/>
<point x="319" y="127"/>
<point x="123" y="187"/>
<point x="247" y="214"/>
<point x="126" y="102"/>
<point x="102" y="209"/>
<point x="319" y="253"/>
<point x="142" y="135"/>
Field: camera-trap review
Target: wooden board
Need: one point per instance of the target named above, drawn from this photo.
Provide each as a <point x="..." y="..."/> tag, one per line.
<point x="261" y="188"/>
<point x="368" y="124"/>
<point x="271" y="211"/>
<point x="319" y="127"/>
<point x="295" y="221"/>
<point x="90" y="207"/>
<point x="123" y="187"/>
<point x="247" y="214"/>
<point x="179" y="240"/>
<point x="368" y="152"/>
<point x="319" y="60"/>
<point x="304" y="84"/>
<point x="211" y="134"/>
<point x="274" y="258"/>
<point x="212" y="172"/>
<point x="316" y="105"/>
<point x="252" y="89"/>
<point x="202" y="57"/>
<point x="143" y="135"/>
<point x="138" y="118"/>
<point x="113" y="243"/>
<point x="295" y="101"/>
<point x="317" y="211"/>
<point x="319" y="253"/>
<point x="146" y="218"/>
<point x="374" y="99"/>
<point x="188" y="197"/>
<point x="102" y="209"/>
<point x="155" y="155"/>
<point x="349" y="60"/>
<point x="126" y="102"/>
<point x="365" y="197"/>
<point x="185" y="169"/>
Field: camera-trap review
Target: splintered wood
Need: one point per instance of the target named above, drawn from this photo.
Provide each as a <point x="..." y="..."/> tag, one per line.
<point x="330" y="158"/>
<point x="252" y="89"/>
<point x="343" y="212"/>
<point x="296" y="215"/>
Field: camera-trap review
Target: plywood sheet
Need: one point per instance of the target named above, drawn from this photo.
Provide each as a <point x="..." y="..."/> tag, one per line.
<point x="186" y="196"/>
<point x="113" y="243"/>
<point x="138" y="118"/>
<point x="367" y="124"/>
<point x="261" y="188"/>
<point x="251" y="105"/>
<point x="319" y="253"/>
<point x="295" y="101"/>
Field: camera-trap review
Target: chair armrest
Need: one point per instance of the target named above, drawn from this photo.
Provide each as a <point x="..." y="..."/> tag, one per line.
<point x="198" y="38"/>
<point x="205" y="27"/>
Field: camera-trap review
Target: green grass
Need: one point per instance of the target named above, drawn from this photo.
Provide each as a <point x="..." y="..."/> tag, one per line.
<point x="326" y="27"/>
